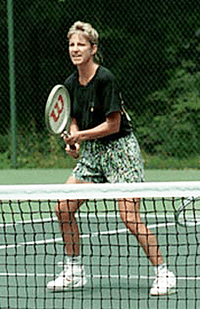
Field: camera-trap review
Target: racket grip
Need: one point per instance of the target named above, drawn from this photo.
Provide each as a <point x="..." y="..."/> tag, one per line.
<point x="73" y="147"/>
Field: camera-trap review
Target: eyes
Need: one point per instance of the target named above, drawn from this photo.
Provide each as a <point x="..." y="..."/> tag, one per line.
<point x="79" y="44"/>
<point x="78" y="40"/>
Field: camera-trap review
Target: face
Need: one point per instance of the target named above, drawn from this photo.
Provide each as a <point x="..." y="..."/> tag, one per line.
<point x="80" y="50"/>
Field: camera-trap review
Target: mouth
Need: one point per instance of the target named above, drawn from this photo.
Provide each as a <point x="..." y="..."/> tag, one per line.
<point x="76" y="56"/>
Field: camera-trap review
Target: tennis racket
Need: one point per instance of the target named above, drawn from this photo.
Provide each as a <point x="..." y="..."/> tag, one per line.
<point x="57" y="111"/>
<point x="188" y="213"/>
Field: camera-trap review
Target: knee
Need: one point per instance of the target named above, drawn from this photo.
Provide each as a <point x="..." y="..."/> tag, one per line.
<point x="131" y="222"/>
<point x="62" y="210"/>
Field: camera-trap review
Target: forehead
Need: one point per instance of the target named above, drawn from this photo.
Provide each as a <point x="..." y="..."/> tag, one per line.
<point x="78" y="37"/>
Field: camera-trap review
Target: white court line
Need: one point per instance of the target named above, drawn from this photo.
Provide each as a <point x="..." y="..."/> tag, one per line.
<point x="88" y="276"/>
<point x="47" y="241"/>
<point x="93" y="276"/>
<point x="90" y="215"/>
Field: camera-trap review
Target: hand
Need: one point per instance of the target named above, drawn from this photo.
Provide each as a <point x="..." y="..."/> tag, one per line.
<point x="71" y="139"/>
<point x="72" y="148"/>
<point x="73" y="152"/>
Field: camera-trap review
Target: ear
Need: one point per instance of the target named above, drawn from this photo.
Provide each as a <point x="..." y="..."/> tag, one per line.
<point x="94" y="49"/>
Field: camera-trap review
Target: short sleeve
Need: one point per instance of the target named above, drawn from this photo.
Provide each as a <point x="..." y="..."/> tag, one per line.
<point x="69" y="84"/>
<point x="110" y="95"/>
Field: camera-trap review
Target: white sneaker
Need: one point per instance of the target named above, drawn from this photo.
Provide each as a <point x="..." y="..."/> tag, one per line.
<point x="164" y="284"/>
<point x="72" y="277"/>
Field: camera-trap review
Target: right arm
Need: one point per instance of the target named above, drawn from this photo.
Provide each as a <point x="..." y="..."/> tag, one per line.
<point x="73" y="129"/>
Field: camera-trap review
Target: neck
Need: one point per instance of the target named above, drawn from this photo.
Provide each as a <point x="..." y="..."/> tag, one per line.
<point x="87" y="72"/>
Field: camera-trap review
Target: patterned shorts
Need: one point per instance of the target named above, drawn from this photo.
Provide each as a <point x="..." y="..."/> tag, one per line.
<point x="111" y="161"/>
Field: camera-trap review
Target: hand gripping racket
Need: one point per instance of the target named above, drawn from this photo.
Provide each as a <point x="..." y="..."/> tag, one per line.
<point x="188" y="213"/>
<point x="57" y="111"/>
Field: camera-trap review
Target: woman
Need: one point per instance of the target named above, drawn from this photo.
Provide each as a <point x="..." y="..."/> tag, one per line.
<point x="110" y="154"/>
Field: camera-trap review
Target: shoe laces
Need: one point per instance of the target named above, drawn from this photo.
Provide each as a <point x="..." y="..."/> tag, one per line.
<point x="163" y="277"/>
<point x="69" y="269"/>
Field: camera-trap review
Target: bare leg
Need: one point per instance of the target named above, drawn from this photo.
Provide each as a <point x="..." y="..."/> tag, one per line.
<point x="129" y="212"/>
<point x="65" y="211"/>
<point x="73" y="275"/>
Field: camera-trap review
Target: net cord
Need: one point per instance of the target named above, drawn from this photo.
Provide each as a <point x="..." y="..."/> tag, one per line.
<point x="99" y="191"/>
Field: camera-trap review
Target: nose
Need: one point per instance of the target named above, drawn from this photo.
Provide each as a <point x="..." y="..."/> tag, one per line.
<point x="75" y="47"/>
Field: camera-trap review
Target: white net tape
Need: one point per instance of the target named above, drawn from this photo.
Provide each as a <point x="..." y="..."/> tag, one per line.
<point x="99" y="191"/>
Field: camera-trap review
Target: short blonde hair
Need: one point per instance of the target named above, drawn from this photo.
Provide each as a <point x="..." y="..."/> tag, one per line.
<point x="86" y="29"/>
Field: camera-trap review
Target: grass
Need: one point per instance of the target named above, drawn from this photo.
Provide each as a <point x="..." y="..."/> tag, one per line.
<point x="160" y="162"/>
<point x="58" y="159"/>
<point x="36" y="150"/>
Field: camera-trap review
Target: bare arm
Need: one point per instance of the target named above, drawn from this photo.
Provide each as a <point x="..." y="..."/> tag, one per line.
<point x="73" y="129"/>
<point x="110" y="126"/>
<point x="73" y="126"/>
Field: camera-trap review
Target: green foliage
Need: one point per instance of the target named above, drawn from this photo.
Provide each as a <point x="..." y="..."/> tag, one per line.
<point x="154" y="56"/>
<point x="170" y="126"/>
<point x="5" y="160"/>
<point x="38" y="150"/>
<point x="160" y="162"/>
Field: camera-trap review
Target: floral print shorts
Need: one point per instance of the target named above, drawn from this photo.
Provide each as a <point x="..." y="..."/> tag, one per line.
<point x="110" y="161"/>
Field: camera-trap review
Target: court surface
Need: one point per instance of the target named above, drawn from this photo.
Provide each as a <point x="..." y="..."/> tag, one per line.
<point x="31" y="176"/>
<point x="123" y="285"/>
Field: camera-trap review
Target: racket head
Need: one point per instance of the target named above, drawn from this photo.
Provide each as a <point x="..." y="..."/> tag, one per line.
<point x="57" y="110"/>
<point x="188" y="213"/>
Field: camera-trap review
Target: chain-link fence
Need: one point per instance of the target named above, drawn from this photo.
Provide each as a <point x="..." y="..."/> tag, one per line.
<point x="152" y="47"/>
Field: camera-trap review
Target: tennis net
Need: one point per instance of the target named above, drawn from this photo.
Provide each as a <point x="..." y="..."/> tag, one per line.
<point x="118" y="272"/>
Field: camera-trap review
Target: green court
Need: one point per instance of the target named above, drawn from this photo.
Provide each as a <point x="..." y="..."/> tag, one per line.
<point x="119" y="274"/>
<point x="37" y="176"/>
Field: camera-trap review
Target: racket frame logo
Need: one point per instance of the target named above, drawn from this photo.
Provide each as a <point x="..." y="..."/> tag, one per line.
<point x="58" y="108"/>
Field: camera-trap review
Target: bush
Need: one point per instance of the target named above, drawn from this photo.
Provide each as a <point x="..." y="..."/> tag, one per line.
<point x="171" y="125"/>
<point x="35" y="150"/>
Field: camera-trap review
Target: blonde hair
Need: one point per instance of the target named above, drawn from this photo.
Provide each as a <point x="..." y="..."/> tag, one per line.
<point x="86" y="29"/>
<point x="89" y="33"/>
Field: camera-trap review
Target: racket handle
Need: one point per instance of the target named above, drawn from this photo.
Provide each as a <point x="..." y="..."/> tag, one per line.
<point x="73" y="147"/>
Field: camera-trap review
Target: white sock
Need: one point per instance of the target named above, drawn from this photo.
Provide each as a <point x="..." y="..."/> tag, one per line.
<point x="160" y="268"/>
<point x="74" y="260"/>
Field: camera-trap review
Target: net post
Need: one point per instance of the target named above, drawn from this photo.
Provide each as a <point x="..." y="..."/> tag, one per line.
<point x="12" y="79"/>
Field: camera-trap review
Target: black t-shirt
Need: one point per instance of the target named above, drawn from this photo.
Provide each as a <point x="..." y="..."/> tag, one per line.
<point x="91" y="104"/>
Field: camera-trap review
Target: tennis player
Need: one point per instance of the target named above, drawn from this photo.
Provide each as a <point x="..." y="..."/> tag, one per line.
<point x="110" y="153"/>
